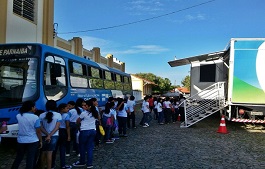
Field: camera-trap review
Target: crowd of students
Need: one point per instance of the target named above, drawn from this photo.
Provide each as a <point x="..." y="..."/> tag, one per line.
<point x="73" y="125"/>
<point x="166" y="110"/>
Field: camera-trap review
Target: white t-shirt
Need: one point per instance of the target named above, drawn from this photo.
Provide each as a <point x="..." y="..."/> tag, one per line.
<point x="176" y="105"/>
<point x="123" y="112"/>
<point x="88" y="122"/>
<point x="27" y="125"/>
<point x="65" y="117"/>
<point x="50" y="126"/>
<point x="114" y="113"/>
<point x="167" y="104"/>
<point x="155" y="104"/>
<point x="73" y="115"/>
<point x="159" y="107"/>
<point x="131" y="104"/>
<point x="107" y="115"/>
<point x="146" y="107"/>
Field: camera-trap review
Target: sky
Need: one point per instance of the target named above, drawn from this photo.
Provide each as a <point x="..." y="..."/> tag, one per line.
<point x="147" y="34"/>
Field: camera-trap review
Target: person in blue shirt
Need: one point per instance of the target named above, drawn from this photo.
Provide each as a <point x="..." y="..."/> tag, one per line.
<point x="29" y="135"/>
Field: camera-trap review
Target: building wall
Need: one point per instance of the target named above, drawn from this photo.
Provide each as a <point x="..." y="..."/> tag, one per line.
<point x="14" y="28"/>
<point x="19" y="29"/>
<point x="3" y="20"/>
<point x="139" y="85"/>
<point x="147" y="89"/>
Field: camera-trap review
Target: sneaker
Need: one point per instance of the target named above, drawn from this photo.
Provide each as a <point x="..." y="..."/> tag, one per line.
<point x="67" y="155"/>
<point x="66" y="167"/>
<point x="145" y="126"/>
<point x="161" y="123"/>
<point x="89" y="166"/>
<point x="116" y="138"/>
<point x="78" y="155"/>
<point x="109" y="141"/>
<point x="134" y="127"/>
<point x="78" y="164"/>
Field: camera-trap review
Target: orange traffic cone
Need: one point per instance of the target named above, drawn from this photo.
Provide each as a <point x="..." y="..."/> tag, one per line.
<point x="222" y="129"/>
<point x="179" y="117"/>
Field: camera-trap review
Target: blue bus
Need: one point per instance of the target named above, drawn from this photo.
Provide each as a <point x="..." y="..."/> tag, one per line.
<point x="39" y="73"/>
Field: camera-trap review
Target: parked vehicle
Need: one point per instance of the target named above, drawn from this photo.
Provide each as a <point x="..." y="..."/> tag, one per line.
<point x="39" y="73"/>
<point x="232" y="79"/>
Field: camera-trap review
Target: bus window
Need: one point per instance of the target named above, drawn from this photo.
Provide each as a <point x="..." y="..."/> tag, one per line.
<point x="108" y="83"/>
<point x="18" y="80"/>
<point x="54" y="78"/>
<point x="95" y="80"/>
<point x="126" y="79"/>
<point x="78" y="76"/>
<point x="118" y="83"/>
<point x="118" y="78"/>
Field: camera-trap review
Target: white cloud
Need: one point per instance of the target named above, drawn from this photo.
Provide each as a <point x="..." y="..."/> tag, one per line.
<point x="195" y="17"/>
<point x="90" y="42"/>
<point x="142" y="49"/>
<point x="111" y="47"/>
<point x="143" y="7"/>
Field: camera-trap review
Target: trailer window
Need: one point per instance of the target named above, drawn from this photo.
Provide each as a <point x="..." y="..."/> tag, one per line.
<point x="207" y="73"/>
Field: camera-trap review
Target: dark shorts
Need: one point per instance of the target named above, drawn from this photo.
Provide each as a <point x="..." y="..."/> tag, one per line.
<point x="49" y="146"/>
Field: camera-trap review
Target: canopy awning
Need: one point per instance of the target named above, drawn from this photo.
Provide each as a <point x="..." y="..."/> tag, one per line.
<point x="199" y="58"/>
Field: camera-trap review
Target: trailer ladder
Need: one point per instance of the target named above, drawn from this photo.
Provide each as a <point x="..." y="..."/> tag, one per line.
<point x="203" y="104"/>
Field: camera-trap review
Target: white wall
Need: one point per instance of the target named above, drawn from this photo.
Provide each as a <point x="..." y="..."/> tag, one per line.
<point x="22" y="30"/>
<point x="196" y="85"/>
<point x="137" y="84"/>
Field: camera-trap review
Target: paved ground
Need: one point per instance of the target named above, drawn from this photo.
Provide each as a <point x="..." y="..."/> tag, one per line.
<point x="170" y="147"/>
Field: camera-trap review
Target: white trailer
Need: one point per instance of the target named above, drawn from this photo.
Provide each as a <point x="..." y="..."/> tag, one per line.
<point x="231" y="81"/>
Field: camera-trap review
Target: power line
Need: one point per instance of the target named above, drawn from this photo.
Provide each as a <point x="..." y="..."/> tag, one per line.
<point x="143" y="20"/>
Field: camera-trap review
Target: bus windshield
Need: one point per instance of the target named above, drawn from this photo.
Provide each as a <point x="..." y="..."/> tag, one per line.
<point x="18" y="80"/>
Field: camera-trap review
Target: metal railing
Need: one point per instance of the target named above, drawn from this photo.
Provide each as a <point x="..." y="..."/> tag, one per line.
<point x="203" y="104"/>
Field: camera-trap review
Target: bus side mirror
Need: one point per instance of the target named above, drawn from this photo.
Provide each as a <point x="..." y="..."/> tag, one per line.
<point x="57" y="71"/>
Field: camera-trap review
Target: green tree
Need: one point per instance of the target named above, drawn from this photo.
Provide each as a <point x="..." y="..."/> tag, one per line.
<point x="186" y="82"/>
<point x="162" y="84"/>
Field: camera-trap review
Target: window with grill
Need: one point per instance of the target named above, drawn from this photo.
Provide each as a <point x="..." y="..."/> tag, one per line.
<point x="24" y="8"/>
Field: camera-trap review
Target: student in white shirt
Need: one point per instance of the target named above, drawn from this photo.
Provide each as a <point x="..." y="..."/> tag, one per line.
<point x="167" y="110"/>
<point x="160" y="111"/>
<point x="29" y="135"/>
<point x="50" y="123"/>
<point x="87" y="119"/>
<point x="131" y="105"/>
<point x="147" y="112"/>
<point x="122" y="112"/>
